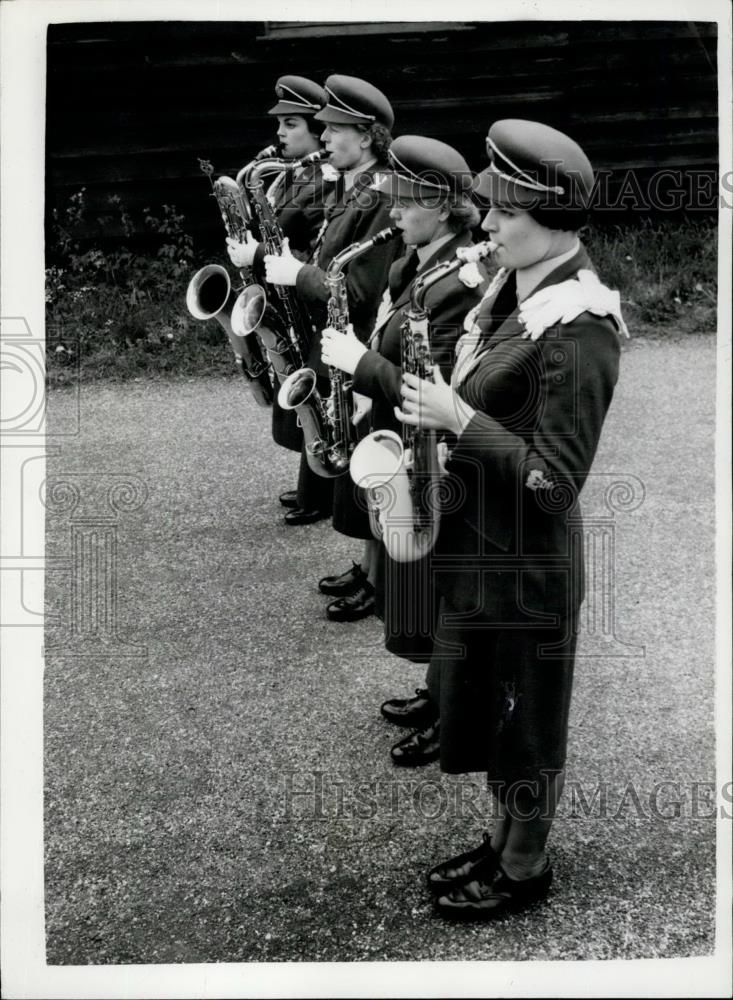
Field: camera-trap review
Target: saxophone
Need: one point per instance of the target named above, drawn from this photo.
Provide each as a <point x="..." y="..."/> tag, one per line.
<point x="288" y="343"/>
<point x="210" y="294"/>
<point x="401" y="474"/>
<point x="330" y="435"/>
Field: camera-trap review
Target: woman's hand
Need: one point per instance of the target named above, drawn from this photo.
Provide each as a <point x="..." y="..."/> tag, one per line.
<point x="342" y="350"/>
<point x="282" y="269"/>
<point x="242" y="254"/>
<point x="432" y="405"/>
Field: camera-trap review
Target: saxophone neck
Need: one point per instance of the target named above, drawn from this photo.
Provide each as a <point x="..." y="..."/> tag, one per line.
<point x="340" y="261"/>
<point x="254" y="178"/>
<point x="272" y="164"/>
<point x="424" y="282"/>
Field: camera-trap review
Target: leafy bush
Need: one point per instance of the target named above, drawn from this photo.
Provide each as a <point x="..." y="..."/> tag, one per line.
<point x="118" y="311"/>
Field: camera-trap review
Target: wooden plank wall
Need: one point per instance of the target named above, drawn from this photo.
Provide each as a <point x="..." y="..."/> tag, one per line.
<point x="131" y="106"/>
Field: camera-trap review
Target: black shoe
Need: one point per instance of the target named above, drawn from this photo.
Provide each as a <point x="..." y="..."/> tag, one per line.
<point x="493" y="895"/>
<point x="345" y="583"/>
<point x="418" y="748"/>
<point x="481" y="861"/>
<point x="299" y="516"/>
<point x="417" y="712"/>
<point x="289" y="499"/>
<point x="358" y="605"/>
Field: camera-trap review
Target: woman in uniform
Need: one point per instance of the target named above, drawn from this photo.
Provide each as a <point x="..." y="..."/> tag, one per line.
<point x="526" y="406"/>
<point x="297" y="197"/>
<point x="357" y="120"/>
<point x="430" y="194"/>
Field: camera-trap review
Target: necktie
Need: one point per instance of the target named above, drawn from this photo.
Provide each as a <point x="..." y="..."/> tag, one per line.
<point x="493" y="313"/>
<point x="402" y="273"/>
<point x="333" y="197"/>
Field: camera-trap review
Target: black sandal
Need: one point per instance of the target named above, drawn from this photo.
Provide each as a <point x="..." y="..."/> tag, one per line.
<point x="488" y="897"/>
<point x="484" y="855"/>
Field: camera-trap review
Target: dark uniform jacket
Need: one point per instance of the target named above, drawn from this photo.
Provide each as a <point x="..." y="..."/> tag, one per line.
<point x="510" y="547"/>
<point x="299" y="207"/>
<point x="379" y="372"/>
<point x="353" y="217"/>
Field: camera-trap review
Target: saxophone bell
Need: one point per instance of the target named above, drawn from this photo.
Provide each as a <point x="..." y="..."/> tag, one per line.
<point x="384" y="468"/>
<point x="210" y="296"/>
<point x="208" y="292"/>
<point x="299" y="392"/>
<point x="249" y="310"/>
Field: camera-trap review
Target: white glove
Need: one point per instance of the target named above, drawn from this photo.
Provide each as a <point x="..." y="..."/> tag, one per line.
<point x="242" y="254"/>
<point x="362" y="406"/>
<point x="565" y="302"/>
<point x="342" y="350"/>
<point x="282" y="269"/>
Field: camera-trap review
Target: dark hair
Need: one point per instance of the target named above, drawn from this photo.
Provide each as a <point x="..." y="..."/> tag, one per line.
<point x="315" y="128"/>
<point x="569" y="210"/>
<point x="463" y="214"/>
<point x="381" y="140"/>
<point x="561" y="217"/>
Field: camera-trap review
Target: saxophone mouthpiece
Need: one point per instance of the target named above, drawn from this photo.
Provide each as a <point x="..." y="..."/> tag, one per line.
<point x="318" y="157"/>
<point x="384" y="235"/>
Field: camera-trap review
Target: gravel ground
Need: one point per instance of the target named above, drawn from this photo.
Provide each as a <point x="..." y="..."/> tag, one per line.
<point x="174" y="827"/>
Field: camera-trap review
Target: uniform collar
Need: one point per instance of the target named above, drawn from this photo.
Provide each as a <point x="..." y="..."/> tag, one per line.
<point x="426" y="252"/>
<point x="349" y="177"/>
<point x="528" y="278"/>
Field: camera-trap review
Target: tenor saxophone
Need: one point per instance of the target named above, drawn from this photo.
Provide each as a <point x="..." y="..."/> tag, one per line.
<point x="210" y="294"/>
<point x="401" y="473"/>
<point x="328" y="429"/>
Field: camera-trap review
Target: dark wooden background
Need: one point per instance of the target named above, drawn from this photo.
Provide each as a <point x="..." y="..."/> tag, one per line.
<point x="131" y="106"/>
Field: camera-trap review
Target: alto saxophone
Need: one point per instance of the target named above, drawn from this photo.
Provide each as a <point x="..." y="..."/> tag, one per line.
<point x="401" y="474"/>
<point x="330" y="436"/>
<point x="210" y="294"/>
<point x="288" y="343"/>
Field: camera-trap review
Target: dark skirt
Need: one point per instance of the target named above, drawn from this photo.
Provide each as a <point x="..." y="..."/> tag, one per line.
<point x="314" y="492"/>
<point x="285" y="430"/>
<point x="350" y="508"/>
<point x="350" y="514"/>
<point x="504" y="697"/>
<point x="407" y="604"/>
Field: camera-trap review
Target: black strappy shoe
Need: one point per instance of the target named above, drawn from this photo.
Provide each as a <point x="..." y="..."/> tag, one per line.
<point x="483" y="858"/>
<point x="486" y="897"/>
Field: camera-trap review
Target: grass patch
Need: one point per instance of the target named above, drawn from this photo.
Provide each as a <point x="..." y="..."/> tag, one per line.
<point x="666" y="273"/>
<point x="120" y="314"/>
